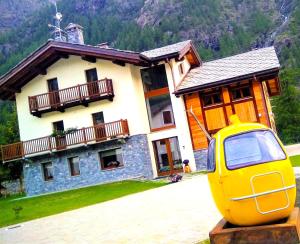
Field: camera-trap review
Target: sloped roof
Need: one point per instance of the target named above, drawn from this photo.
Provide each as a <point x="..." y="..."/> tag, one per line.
<point x="230" y="68"/>
<point x="37" y="62"/>
<point x="166" y="50"/>
<point x="177" y="50"/>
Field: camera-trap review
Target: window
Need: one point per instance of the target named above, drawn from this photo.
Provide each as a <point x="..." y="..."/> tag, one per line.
<point x="181" y="69"/>
<point x="74" y="166"/>
<point x="211" y="160"/>
<point x="91" y="75"/>
<point x="111" y="158"/>
<point x="47" y="171"/>
<point x="154" y="78"/>
<point x="167" y="117"/>
<point x="252" y="148"/>
<point x="212" y="99"/>
<point x="240" y="92"/>
<point x="160" y="111"/>
<point x="58" y="126"/>
<point x="158" y="100"/>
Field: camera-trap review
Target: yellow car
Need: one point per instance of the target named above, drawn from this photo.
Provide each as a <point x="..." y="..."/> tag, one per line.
<point x="251" y="177"/>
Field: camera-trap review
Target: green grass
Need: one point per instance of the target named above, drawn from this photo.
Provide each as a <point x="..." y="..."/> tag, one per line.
<point x="41" y="206"/>
<point x="295" y="160"/>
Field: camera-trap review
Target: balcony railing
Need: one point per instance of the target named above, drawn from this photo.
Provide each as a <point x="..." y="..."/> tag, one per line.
<point x="93" y="134"/>
<point x="72" y="96"/>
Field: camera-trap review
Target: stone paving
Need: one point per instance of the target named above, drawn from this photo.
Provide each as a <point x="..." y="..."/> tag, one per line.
<point x="293" y="149"/>
<point x="183" y="212"/>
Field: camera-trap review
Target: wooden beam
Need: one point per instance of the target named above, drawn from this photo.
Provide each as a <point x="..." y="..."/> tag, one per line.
<point x="89" y="59"/>
<point x="118" y="62"/>
<point x="13" y="90"/>
<point x="63" y="55"/>
<point x="40" y="71"/>
<point x="179" y="59"/>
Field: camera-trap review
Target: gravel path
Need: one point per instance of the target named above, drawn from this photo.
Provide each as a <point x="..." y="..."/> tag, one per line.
<point x="177" y="213"/>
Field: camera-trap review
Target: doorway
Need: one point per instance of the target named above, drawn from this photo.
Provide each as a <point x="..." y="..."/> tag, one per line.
<point x="92" y="85"/>
<point x="53" y="92"/>
<point x="99" y="124"/>
<point x="167" y="155"/>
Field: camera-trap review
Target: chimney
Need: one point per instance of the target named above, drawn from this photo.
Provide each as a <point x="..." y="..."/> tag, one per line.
<point x="75" y="33"/>
<point x="103" y="45"/>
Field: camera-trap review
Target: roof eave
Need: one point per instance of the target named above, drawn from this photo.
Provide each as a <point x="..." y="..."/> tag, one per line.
<point x="264" y="73"/>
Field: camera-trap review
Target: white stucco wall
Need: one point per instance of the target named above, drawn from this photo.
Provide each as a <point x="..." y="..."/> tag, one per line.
<point x="128" y="102"/>
<point x="182" y="130"/>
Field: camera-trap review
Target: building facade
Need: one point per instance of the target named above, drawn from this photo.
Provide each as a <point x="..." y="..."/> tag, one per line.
<point x="93" y="114"/>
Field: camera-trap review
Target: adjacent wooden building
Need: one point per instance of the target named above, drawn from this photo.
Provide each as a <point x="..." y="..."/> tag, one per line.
<point x="241" y="84"/>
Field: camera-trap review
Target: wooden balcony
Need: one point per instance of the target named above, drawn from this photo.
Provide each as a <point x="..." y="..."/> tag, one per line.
<point x="89" y="135"/>
<point x="77" y="95"/>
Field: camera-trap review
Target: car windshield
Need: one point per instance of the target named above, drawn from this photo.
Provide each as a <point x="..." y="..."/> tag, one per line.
<point x="252" y="148"/>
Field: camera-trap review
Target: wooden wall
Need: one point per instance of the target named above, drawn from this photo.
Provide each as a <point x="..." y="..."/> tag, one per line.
<point x="255" y="108"/>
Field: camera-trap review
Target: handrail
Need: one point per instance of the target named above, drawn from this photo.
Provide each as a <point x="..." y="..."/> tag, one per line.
<point x="94" y="134"/>
<point x="78" y="93"/>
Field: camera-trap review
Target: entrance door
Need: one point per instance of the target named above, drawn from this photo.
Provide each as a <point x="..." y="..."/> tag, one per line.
<point x="60" y="139"/>
<point x="167" y="154"/>
<point x="98" y="120"/>
<point x="91" y="78"/>
<point x="53" y="92"/>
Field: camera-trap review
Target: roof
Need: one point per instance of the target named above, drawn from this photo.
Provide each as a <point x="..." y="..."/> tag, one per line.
<point x="37" y="62"/>
<point x="245" y="65"/>
<point x="178" y="50"/>
<point x="166" y="50"/>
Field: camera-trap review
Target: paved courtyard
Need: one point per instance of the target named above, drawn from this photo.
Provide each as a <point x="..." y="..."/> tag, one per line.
<point x="177" y="213"/>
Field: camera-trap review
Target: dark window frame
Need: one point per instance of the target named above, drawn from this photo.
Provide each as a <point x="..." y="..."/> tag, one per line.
<point x="239" y="89"/>
<point x="169" y="117"/>
<point x="102" y="166"/>
<point x="71" y="168"/>
<point x="44" y="171"/>
<point x="212" y="98"/>
<point x="181" y="68"/>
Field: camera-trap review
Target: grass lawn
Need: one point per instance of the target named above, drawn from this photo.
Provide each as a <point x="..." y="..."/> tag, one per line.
<point x="41" y="206"/>
<point x="295" y="160"/>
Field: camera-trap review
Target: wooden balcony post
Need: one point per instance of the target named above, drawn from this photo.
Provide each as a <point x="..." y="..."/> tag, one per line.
<point x="79" y="91"/>
<point x="84" y="136"/>
<point x="50" y="144"/>
<point x="22" y="149"/>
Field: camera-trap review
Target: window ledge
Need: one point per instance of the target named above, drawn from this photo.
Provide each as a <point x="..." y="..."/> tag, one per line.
<point x="163" y="128"/>
<point x="121" y="167"/>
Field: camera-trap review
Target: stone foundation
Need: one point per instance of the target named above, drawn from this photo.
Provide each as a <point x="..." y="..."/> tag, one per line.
<point x="201" y="159"/>
<point x="136" y="159"/>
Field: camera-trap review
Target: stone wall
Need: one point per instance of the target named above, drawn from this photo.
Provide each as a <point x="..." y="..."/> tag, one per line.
<point x="201" y="159"/>
<point x="12" y="187"/>
<point x="136" y="158"/>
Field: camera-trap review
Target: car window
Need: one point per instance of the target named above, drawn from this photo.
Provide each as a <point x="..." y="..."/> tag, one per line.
<point x="211" y="160"/>
<point x="252" y="148"/>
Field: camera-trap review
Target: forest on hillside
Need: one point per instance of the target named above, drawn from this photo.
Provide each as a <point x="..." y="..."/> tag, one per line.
<point x="218" y="29"/>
